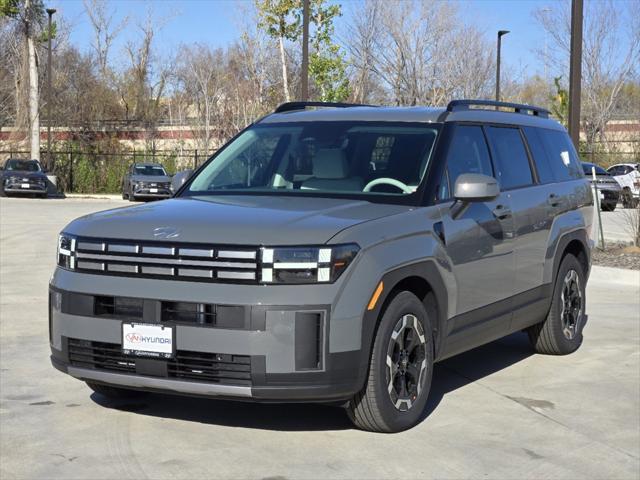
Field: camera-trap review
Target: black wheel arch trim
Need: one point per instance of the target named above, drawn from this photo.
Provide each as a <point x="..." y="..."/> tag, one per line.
<point x="426" y="270"/>
<point x="561" y="247"/>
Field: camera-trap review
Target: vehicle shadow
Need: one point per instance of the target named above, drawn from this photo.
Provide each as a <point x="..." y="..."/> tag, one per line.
<point x="449" y="375"/>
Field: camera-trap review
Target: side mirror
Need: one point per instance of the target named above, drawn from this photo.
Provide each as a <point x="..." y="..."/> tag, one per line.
<point x="475" y="187"/>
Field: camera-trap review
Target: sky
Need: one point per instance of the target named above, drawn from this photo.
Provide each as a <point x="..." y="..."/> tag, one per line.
<point x="216" y="22"/>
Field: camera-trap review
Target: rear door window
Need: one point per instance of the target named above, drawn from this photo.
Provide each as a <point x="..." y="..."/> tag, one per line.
<point x="563" y="157"/>
<point x="468" y="153"/>
<point x="511" y="159"/>
<point x="540" y="158"/>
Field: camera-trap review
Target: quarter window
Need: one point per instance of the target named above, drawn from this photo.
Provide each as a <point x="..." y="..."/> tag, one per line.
<point x="468" y="153"/>
<point x="563" y="158"/>
<point x="511" y="160"/>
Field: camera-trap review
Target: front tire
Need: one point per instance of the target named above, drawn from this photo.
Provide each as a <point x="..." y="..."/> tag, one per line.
<point x="115" y="393"/>
<point x="561" y="332"/>
<point x="400" y="369"/>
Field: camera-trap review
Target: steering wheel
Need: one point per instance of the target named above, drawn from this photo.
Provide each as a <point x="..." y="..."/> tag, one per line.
<point x="387" y="181"/>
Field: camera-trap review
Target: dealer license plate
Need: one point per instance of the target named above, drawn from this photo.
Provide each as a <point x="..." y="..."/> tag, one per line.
<point x="147" y="340"/>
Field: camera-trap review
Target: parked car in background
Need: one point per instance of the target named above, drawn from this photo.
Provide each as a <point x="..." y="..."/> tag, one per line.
<point x="333" y="255"/>
<point x="23" y="177"/>
<point x="146" y="181"/>
<point x="608" y="188"/>
<point x="180" y="178"/>
<point x="628" y="176"/>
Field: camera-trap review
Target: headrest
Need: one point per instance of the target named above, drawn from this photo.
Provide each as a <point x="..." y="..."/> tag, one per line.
<point x="330" y="163"/>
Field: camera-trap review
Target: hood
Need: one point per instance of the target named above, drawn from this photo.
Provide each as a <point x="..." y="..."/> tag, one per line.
<point x="151" y="178"/>
<point x="234" y="220"/>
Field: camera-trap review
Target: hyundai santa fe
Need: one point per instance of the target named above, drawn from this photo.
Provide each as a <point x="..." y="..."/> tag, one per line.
<point x="333" y="253"/>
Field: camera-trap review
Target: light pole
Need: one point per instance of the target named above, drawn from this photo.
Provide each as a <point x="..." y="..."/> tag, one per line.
<point x="50" y="12"/>
<point x="304" y="81"/>
<point x="500" y="34"/>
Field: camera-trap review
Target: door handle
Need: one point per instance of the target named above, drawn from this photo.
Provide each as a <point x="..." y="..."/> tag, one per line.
<point x="554" y="200"/>
<point x="501" y="212"/>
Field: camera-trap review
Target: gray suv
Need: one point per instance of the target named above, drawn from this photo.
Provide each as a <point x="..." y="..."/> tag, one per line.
<point x="333" y="254"/>
<point x="146" y="181"/>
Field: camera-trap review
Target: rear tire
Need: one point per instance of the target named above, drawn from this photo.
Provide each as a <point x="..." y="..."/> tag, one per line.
<point x="400" y="369"/>
<point x="608" y="208"/>
<point x="561" y="332"/>
<point x="115" y="393"/>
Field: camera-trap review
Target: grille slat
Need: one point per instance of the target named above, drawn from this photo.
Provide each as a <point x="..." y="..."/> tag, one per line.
<point x="187" y="365"/>
<point x="204" y="263"/>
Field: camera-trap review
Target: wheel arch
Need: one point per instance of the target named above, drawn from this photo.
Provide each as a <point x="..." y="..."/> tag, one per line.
<point x="576" y="244"/>
<point x="424" y="281"/>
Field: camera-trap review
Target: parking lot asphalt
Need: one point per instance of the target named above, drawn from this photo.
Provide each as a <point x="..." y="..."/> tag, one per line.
<point x="496" y="412"/>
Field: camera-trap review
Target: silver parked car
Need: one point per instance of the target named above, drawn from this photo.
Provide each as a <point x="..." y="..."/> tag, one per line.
<point x="333" y="255"/>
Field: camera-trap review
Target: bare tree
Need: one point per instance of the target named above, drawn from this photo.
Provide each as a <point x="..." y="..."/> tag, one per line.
<point x="611" y="52"/>
<point x="200" y="72"/>
<point x="30" y="25"/>
<point x="421" y="52"/>
<point x="360" y="41"/>
<point x="105" y="32"/>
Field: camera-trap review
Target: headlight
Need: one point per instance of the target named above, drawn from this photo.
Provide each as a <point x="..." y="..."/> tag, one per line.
<point x="306" y="264"/>
<point x="66" y="251"/>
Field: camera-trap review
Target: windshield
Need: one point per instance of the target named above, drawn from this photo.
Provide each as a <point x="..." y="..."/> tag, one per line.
<point x="23" y="165"/>
<point x="152" y="170"/>
<point x="366" y="159"/>
<point x="586" y="167"/>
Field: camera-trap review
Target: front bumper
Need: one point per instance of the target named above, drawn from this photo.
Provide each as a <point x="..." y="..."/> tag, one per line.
<point x="259" y="351"/>
<point x="31" y="188"/>
<point x="147" y="193"/>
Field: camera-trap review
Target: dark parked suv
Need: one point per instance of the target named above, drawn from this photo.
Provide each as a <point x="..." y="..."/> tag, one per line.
<point x="333" y="255"/>
<point x="23" y="177"/>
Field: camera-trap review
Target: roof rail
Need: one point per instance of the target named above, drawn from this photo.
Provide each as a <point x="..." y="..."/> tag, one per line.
<point x="456" y="105"/>
<point x="290" y="106"/>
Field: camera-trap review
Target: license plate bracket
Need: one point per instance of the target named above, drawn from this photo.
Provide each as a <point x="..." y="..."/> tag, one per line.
<point x="150" y="340"/>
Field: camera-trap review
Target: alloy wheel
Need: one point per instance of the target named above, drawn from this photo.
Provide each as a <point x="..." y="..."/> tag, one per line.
<point x="572" y="304"/>
<point x="406" y="362"/>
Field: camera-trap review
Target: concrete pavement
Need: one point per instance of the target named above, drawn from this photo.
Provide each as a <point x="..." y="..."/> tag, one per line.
<point x="496" y="412"/>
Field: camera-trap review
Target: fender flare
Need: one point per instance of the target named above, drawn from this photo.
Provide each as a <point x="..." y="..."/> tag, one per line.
<point x="561" y="246"/>
<point x="426" y="270"/>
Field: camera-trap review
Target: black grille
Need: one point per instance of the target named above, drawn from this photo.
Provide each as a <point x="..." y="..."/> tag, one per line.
<point x="99" y="356"/>
<point x="211" y="367"/>
<point x="199" y="366"/>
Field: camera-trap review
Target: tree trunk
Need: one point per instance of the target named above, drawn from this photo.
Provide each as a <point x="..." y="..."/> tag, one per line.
<point x="34" y="117"/>
<point x="285" y="81"/>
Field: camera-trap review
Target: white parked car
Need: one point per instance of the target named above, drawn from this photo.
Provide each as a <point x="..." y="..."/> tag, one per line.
<point x="628" y="176"/>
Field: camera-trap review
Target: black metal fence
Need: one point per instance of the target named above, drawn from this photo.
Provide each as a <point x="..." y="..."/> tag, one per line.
<point x="94" y="171"/>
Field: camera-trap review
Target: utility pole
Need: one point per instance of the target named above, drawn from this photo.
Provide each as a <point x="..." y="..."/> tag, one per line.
<point x="500" y="34"/>
<point x="50" y="12"/>
<point x="575" y="71"/>
<point x="304" y="81"/>
<point x="545" y="12"/>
